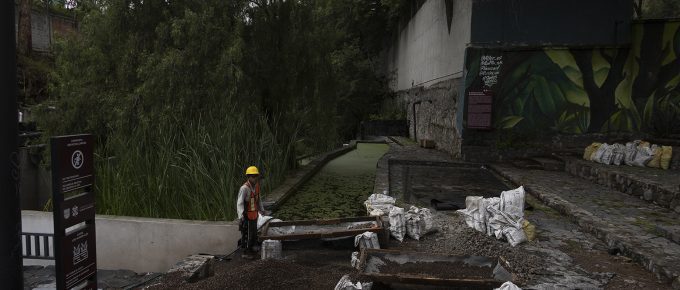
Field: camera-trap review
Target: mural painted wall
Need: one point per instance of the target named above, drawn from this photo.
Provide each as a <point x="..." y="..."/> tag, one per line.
<point x="578" y="90"/>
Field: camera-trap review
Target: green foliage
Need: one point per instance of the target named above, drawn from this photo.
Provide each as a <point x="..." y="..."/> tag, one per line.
<point x="183" y="96"/>
<point x="660" y="8"/>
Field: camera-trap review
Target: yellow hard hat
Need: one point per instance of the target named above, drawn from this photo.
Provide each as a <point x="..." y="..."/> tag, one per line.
<point x="252" y="170"/>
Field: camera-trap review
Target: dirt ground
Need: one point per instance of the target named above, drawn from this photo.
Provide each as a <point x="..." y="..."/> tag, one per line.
<point x="561" y="257"/>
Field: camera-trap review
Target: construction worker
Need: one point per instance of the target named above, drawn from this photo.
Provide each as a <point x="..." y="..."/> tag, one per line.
<point x="248" y="206"/>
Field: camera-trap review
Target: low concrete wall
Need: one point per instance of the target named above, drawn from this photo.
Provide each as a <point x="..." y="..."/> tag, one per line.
<point x="145" y="244"/>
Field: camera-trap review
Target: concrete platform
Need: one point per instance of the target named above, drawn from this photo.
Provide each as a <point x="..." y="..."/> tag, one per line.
<point x="624" y="222"/>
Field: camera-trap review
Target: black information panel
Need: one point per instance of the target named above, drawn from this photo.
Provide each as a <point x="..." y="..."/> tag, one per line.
<point x="75" y="248"/>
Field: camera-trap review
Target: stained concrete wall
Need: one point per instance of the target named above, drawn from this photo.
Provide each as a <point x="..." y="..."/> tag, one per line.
<point x="428" y="49"/>
<point x="144" y="244"/>
<point x="44" y="27"/>
<point x="425" y="63"/>
<point x="431" y="112"/>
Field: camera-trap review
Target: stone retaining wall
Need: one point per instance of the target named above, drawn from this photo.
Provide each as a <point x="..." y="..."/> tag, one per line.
<point x="435" y="108"/>
<point x="666" y="194"/>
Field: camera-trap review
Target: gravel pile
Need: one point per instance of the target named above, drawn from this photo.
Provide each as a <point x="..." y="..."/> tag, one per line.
<point x="259" y="274"/>
<point x="456" y="238"/>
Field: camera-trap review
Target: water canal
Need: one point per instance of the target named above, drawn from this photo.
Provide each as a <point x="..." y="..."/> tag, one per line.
<point x="339" y="189"/>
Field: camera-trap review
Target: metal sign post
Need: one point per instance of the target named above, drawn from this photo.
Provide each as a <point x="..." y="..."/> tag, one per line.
<point x="75" y="248"/>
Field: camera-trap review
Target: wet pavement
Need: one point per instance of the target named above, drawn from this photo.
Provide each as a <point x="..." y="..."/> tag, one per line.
<point x="624" y="222"/>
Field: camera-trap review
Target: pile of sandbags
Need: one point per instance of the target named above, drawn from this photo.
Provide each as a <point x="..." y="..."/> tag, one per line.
<point x="379" y="204"/>
<point x="637" y="153"/>
<point x="418" y="222"/>
<point x="415" y="223"/>
<point x="502" y="217"/>
<point x="367" y="240"/>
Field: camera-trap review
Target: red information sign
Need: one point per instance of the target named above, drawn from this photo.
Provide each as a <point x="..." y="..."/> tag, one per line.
<point x="479" y="109"/>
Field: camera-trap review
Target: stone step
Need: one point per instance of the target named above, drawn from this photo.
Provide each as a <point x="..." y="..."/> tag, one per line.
<point x="549" y="163"/>
<point x="661" y="187"/>
<point x="628" y="225"/>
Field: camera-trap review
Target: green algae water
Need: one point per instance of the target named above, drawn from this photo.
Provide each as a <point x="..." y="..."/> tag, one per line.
<point x="339" y="189"/>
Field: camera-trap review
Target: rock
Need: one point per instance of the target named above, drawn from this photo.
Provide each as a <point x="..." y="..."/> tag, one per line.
<point x="195" y="267"/>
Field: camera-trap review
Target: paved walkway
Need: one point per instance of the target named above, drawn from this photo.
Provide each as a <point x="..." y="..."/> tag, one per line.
<point x="624" y="222"/>
<point x="563" y="256"/>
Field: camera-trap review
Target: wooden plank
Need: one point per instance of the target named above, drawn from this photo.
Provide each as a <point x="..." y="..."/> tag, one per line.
<point x="423" y="280"/>
<point x="321" y="234"/>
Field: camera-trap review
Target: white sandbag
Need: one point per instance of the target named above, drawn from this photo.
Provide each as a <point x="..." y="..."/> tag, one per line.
<point x="397" y="226"/>
<point x="471" y="212"/>
<point x="376" y="212"/>
<point x="271" y="249"/>
<point x="512" y="202"/>
<point x="630" y="152"/>
<point x="492" y="205"/>
<point x="508" y="286"/>
<point x="618" y="154"/>
<point x="346" y="284"/>
<point x="514" y="235"/>
<point x="414" y="225"/>
<point x="495" y="223"/>
<point x="642" y="156"/>
<point x="263" y="219"/>
<point x="607" y="154"/>
<point x="597" y="156"/>
<point x="380" y="202"/>
<point x="367" y="240"/>
<point x="426" y="217"/>
<point x="355" y="260"/>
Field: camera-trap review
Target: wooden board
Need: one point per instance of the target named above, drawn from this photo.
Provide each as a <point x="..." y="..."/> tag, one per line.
<point x="379" y="265"/>
<point x="323" y="228"/>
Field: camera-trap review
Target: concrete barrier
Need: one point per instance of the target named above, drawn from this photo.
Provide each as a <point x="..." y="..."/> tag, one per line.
<point x="144" y="244"/>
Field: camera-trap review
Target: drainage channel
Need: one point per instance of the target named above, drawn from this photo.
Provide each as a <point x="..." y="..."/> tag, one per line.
<point x="439" y="183"/>
<point x="338" y="189"/>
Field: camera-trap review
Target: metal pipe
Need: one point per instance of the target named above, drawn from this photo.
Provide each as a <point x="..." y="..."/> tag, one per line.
<point x="11" y="275"/>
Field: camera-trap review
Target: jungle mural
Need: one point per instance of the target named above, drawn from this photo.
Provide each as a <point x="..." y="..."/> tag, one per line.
<point x="585" y="90"/>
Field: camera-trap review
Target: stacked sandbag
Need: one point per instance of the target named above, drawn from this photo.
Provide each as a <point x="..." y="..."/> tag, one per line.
<point x="379" y="204"/>
<point x="418" y="222"/>
<point x="588" y="153"/>
<point x="397" y="227"/>
<point x="345" y="283"/>
<point x="502" y="217"/>
<point x="367" y="240"/>
<point x="636" y="153"/>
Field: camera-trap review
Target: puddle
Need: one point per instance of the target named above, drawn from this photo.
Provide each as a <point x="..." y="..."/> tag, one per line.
<point x="339" y="189"/>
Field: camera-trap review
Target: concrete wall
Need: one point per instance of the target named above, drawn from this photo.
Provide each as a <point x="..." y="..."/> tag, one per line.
<point x="435" y="110"/>
<point x="145" y="244"/>
<point x="428" y="49"/>
<point x="44" y="28"/>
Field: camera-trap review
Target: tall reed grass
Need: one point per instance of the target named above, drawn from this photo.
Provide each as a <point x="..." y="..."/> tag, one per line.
<point x="189" y="170"/>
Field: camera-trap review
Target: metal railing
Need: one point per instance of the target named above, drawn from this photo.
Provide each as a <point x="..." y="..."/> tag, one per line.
<point x="37" y="246"/>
